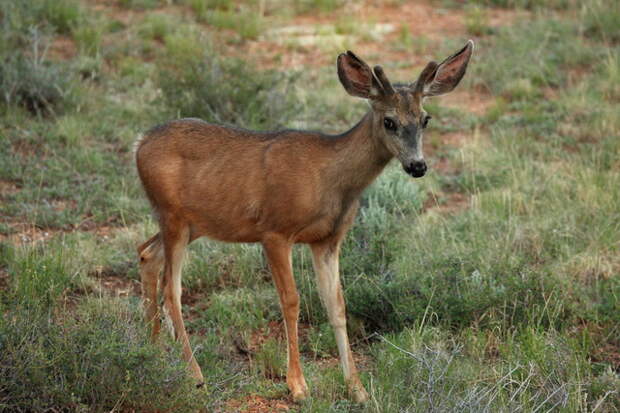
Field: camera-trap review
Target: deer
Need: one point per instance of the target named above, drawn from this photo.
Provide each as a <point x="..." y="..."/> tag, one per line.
<point x="280" y="189"/>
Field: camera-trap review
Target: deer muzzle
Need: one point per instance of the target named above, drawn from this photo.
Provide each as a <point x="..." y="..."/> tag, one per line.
<point x="416" y="169"/>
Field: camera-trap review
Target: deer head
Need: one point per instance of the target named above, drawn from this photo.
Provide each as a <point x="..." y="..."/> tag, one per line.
<point x="398" y="116"/>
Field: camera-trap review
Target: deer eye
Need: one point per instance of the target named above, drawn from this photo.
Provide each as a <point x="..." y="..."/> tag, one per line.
<point x="425" y="120"/>
<point x="389" y="124"/>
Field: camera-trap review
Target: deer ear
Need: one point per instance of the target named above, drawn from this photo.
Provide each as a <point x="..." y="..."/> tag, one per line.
<point x="356" y="76"/>
<point x="447" y="75"/>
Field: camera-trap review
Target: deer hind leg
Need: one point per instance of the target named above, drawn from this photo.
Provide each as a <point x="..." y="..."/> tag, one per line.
<point x="278" y="251"/>
<point x="175" y="236"/>
<point x="325" y="261"/>
<point x="151" y="262"/>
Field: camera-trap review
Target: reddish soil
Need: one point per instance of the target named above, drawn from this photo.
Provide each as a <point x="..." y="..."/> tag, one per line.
<point x="120" y="286"/>
<point x="423" y="20"/>
<point x="4" y="279"/>
<point x="62" y="47"/>
<point x="274" y="330"/>
<point x="257" y="404"/>
<point x="472" y="101"/>
<point x="608" y="353"/>
<point x="446" y="203"/>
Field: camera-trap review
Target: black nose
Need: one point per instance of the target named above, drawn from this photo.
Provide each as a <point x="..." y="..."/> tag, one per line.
<point x="416" y="169"/>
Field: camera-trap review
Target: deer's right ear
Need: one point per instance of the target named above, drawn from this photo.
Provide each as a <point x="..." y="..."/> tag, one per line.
<point x="356" y="76"/>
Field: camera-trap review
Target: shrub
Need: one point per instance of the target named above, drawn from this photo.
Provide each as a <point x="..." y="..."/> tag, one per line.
<point x="156" y="26"/>
<point x="94" y="359"/>
<point x="41" y="87"/>
<point x="28" y="79"/>
<point x="197" y="83"/>
<point x="63" y="15"/>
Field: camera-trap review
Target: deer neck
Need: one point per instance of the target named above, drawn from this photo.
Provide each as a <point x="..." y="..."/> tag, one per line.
<point x="361" y="156"/>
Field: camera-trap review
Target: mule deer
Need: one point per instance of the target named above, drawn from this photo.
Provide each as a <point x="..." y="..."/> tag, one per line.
<point x="280" y="188"/>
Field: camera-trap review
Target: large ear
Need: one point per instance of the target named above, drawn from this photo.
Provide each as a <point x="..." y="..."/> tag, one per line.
<point x="356" y="76"/>
<point x="437" y="79"/>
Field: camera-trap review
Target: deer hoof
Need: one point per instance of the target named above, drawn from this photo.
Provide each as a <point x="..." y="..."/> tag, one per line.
<point x="299" y="392"/>
<point x="356" y="389"/>
<point x="360" y="396"/>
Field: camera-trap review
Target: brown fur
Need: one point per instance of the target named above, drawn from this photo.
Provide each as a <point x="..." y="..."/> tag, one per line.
<point x="276" y="188"/>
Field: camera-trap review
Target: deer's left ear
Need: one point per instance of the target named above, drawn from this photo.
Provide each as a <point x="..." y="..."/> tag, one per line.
<point x="443" y="78"/>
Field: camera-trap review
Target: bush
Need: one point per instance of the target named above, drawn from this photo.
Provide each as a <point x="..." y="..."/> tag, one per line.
<point x="27" y="78"/>
<point x="63" y="15"/>
<point x="41" y="87"/>
<point x="197" y="83"/>
<point x="93" y="359"/>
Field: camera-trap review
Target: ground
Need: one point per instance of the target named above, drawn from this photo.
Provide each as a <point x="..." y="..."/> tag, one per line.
<point x="490" y="285"/>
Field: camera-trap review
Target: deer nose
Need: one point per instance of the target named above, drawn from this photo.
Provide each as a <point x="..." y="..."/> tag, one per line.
<point x="416" y="169"/>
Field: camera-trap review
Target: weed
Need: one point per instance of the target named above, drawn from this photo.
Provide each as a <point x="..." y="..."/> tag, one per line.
<point x="270" y="360"/>
<point x="247" y="24"/>
<point x="321" y="341"/>
<point x="156" y="27"/>
<point x="88" y="38"/>
<point x="601" y="19"/>
<point x="477" y="20"/>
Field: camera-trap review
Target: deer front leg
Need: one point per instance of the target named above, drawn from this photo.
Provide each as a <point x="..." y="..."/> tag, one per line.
<point x="278" y="251"/>
<point x="325" y="261"/>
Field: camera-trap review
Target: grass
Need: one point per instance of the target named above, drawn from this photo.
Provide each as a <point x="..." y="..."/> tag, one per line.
<point x="41" y="370"/>
<point x="199" y="84"/>
<point x="246" y="23"/>
<point x="508" y="301"/>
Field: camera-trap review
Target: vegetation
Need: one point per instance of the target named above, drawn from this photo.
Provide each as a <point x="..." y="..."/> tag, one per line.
<point x="493" y="284"/>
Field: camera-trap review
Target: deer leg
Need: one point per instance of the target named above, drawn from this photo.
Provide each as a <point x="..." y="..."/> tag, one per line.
<point x="278" y="251"/>
<point x="175" y="239"/>
<point x="151" y="262"/>
<point x="325" y="262"/>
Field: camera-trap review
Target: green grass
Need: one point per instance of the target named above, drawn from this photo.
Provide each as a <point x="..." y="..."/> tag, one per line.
<point x="196" y="83"/>
<point x="246" y="23"/>
<point x="141" y="4"/>
<point x="601" y="19"/>
<point x="93" y="360"/>
<point x="509" y="302"/>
